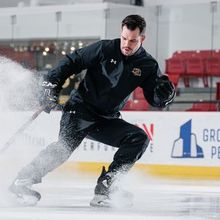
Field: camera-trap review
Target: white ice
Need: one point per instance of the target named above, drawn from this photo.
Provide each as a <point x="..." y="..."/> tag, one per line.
<point x="67" y="196"/>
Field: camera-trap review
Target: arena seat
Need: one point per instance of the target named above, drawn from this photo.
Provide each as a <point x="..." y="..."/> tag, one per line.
<point x="175" y="68"/>
<point x="26" y="58"/>
<point x="212" y="66"/>
<point x="136" y="105"/>
<point x="138" y="94"/>
<point x="193" y="63"/>
<point x="195" y="68"/>
<point x="216" y="53"/>
<point x="203" y="106"/>
<point x="183" y="54"/>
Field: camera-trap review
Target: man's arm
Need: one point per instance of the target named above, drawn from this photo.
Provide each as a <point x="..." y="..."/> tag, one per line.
<point x="72" y="63"/>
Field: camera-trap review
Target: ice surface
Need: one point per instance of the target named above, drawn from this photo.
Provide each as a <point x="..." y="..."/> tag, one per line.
<point x="67" y="197"/>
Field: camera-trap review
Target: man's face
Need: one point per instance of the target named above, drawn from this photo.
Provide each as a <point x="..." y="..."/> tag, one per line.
<point x="130" y="41"/>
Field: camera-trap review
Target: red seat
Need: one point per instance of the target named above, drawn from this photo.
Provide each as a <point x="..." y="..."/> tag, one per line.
<point x="175" y="68"/>
<point x="174" y="78"/>
<point x="216" y="53"/>
<point x="175" y="65"/>
<point x="203" y="106"/>
<point x="192" y="63"/>
<point x="136" y="105"/>
<point x="212" y="66"/>
<point x="183" y="54"/>
<point x="138" y="93"/>
<point x="203" y="54"/>
<point x="195" y="68"/>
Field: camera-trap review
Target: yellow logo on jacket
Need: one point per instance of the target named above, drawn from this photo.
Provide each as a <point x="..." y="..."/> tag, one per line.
<point x="136" y="71"/>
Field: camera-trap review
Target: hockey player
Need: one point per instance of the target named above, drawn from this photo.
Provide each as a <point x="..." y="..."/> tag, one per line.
<point x="115" y="68"/>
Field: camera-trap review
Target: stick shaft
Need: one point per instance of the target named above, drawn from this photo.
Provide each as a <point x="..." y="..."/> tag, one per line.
<point x="21" y="129"/>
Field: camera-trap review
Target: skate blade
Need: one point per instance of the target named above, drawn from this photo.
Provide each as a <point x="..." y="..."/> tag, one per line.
<point x="100" y="201"/>
<point x="110" y="202"/>
<point x="26" y="200"/>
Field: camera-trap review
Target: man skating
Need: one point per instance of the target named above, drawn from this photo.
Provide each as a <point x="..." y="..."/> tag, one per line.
<point x="115" y="68"/>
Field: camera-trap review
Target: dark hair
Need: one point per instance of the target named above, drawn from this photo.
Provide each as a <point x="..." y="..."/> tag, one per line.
<point x="134" y="21"/>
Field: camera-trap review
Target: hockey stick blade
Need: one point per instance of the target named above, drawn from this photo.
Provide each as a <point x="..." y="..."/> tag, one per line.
<point x="21" y="129"/>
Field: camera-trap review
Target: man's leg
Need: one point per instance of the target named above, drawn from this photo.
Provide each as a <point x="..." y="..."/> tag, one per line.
<point x="131" y="142"/>
<point x="72" y="132"/>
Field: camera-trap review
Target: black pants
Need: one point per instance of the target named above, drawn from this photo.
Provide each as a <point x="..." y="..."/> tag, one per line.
<point x="130" y="140"/>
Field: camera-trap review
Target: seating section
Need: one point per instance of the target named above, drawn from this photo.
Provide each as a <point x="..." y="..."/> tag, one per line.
<point x="193" y="63"/>
<point x="25" y="58"/>
<point x="175" y="68"/>
<point x="212" y="66"/>
<point x="136" y="105"/>
<point x="137" y="102"/>
<point x="138" y="94"/>
<point x="204" y="106"/>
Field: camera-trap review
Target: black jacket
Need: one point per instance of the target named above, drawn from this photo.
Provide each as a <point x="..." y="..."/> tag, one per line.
<point x="110" y="76"/>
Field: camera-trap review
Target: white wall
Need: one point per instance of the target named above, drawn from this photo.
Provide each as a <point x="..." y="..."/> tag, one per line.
<point x="180" y="27"/>
<point x="190" y="28"/>
<point x="78" y="20"/>
<point x="82" y="20"/>
<point x="157" y="42"/>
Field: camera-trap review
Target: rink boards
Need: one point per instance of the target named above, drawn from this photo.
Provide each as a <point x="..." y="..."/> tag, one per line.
<point x="181" y="143"/>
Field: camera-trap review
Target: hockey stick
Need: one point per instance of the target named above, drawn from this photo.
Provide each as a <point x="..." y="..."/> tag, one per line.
<point x="21" y="129"/>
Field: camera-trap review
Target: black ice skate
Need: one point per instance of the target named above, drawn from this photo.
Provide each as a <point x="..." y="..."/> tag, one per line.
<point x="25" y="196"/>
<point x="108" y="193"/>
